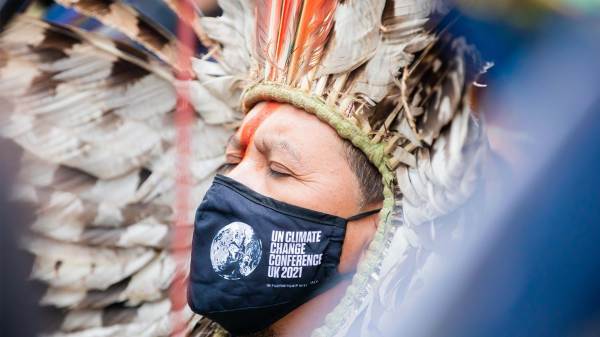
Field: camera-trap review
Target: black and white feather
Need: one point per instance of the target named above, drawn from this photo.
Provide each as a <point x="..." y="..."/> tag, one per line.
<point x="95" y="117"/>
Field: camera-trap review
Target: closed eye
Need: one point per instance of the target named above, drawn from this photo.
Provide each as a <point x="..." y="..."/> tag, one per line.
<point x="277" y="170"/>
<point x="226" y="167"/>
<point x="231" y="160"/>
<point x="277" y="174"/>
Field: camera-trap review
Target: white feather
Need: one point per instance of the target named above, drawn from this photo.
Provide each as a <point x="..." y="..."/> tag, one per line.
<point x="355" y="36"/>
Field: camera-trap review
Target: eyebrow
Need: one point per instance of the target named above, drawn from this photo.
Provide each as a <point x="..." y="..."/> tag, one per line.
<point x="234" y="141"/>
<point x="289" y="148"/>
<point x="271" y="143"/>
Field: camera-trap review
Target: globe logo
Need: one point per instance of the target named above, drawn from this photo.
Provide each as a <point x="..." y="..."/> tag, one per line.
<point x="235" y="251"/>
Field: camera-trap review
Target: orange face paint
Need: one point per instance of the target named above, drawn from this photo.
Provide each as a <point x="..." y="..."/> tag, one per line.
<point x="250" y="126"/>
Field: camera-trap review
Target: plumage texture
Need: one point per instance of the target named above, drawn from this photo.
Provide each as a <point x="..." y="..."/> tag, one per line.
<point x="354" y="38"/>
<point x="233" y="32"/>
<point x="291" y="36"/>
<point x="95" y="117"/>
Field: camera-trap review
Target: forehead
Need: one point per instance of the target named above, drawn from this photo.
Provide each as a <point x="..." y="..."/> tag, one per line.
<point x="269" y="119"/>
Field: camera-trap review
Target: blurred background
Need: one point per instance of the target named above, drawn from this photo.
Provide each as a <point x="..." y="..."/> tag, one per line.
<point x="534" y="267"/>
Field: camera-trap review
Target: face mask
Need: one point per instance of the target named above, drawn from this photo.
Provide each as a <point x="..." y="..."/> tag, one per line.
<point x="255" y="259"/>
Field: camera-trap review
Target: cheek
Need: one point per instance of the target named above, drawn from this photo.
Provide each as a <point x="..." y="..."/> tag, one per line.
<point x="333" y="187"/>
<point x="358" y="236"/>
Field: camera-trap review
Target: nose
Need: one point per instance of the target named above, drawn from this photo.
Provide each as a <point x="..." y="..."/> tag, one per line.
<point x="250" y="171"/>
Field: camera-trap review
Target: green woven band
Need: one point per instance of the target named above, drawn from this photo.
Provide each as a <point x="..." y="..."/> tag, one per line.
<point x="369" y="265"/>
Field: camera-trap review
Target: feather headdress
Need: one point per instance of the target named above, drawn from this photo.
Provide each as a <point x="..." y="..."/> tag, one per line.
<point x="94" y="116"/>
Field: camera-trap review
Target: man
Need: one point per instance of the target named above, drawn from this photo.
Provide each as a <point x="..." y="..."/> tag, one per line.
<point x="332" y="135"/>
<point x="355" y="139"/>
<point x="292" y="156"/>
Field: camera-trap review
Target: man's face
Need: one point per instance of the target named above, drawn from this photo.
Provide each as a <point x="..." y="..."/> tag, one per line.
<point x="290" y="155"/>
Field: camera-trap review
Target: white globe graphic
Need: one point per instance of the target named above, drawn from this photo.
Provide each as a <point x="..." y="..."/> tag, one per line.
<point x="235" y="251"/>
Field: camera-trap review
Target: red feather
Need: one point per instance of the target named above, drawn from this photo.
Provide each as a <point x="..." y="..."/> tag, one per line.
<point x="314" y="26"/>
<point x="287" y="32"/>
<point x="291" y="36"/>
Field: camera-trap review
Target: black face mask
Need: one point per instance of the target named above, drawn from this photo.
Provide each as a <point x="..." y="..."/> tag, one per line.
<point x="255" y="259"/>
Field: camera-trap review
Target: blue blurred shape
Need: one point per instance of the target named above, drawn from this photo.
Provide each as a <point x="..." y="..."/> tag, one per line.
<point x="535" y="269"/>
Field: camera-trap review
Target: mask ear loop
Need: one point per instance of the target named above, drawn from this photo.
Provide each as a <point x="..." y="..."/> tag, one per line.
<point x="363" y="215"/>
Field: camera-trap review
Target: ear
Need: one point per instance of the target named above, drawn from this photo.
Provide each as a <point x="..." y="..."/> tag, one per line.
<point x="359" y="234"/>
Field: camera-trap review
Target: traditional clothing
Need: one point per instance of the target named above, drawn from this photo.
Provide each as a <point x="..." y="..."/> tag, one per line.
<point x="95" y="118"/>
